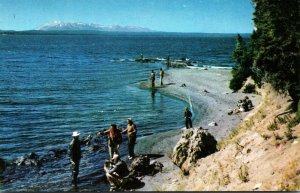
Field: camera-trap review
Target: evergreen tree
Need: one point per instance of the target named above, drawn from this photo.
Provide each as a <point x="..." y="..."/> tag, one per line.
<point x="243" y="59"/>
<point x="240" y="49"/>
<point x="276" y="46"/>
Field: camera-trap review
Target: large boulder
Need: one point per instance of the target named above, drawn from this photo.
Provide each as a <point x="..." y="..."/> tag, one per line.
<point x="141" y="166"/>
<point x="30" y="160"/>
<point x="57" y="152"/>
<point x="245" y="104"/>
<point x="33" y="155"/>
<point x="20" y="161"/>
<point x="193" y="145"/>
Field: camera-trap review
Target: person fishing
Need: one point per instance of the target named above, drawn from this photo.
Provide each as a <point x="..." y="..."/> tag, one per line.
<point x="115" y="171"/>
<point x="161" y="75"/>
<point x="188" y="118"/>
<point x="114" y="139"/>
<point x="131" y="132"/>
<point x="75" y="154"/>
<point x="152" y="78"/>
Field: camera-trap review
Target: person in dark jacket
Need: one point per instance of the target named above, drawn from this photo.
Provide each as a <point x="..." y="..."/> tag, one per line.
<point x="161" y="76"/>
<point x="188" y="118"/>
<point x="75" y="155"/>
<point x="116" y="170"/>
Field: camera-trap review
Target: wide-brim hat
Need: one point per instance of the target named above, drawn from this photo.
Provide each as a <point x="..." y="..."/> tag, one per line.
<point x="75" y="134"/>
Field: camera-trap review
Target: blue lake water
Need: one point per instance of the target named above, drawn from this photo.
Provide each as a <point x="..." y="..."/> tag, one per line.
<point x="51" y="85"/>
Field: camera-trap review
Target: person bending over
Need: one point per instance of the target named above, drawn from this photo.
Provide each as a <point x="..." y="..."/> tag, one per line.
<point x="115" y="171"/>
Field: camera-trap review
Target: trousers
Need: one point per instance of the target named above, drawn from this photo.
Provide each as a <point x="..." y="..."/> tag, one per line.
<point x="188" y="123"/>
<point x="75" y="171"/>
<point x="131" y="144"/>
<point x="112" y="150"/>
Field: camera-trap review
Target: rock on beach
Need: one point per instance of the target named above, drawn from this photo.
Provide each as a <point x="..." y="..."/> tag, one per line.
<point x="193" y="145"/>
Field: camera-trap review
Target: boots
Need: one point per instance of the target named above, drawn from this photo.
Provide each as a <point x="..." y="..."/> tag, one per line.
<point x="74" y="181"/>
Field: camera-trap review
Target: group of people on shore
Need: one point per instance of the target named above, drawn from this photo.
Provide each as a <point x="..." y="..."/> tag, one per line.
<point x="114" y="168"/>
<point x="115" y="138"/>
<point x="152" y="77"/>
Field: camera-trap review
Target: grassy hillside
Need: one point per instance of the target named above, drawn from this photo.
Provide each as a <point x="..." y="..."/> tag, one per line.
<point x="261" y="154"/>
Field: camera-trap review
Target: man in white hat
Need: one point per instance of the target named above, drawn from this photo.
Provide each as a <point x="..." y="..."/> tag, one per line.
<point x="115" y="170"/>
<point x="75" y="154"/>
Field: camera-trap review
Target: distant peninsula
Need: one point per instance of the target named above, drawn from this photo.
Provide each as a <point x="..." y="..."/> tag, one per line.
<point x="78" y="26"/>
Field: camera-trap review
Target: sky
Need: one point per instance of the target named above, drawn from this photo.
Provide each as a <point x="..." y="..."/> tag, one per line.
<point x="207" y="16"/>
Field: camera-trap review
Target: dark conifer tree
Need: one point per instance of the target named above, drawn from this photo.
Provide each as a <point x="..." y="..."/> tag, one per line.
<point x="276" y="46"/>
<point x="243" y="58"/>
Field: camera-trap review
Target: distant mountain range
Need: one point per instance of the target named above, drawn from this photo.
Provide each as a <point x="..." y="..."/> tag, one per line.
<point x="77" y="26"/>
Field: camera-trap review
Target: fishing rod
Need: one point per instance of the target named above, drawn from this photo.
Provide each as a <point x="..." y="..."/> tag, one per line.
<point x="190" y="103"/>
<point x="102" y="130"/>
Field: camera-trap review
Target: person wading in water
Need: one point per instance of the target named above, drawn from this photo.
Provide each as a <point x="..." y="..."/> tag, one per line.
<point x="152" y="79"/>
<point x="75" y="154"/>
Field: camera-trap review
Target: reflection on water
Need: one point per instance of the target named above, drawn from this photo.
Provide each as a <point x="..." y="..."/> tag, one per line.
<point x="153" y="92"/>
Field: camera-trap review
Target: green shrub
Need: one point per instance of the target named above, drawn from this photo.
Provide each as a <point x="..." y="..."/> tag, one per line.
<point x="289" y="134"/>
<point x="243" y="58"/>
<point x="243" y="173"/>
<point x="236" y="82"/>
<point x="283" y="120"/>
<point x="249" y="88"/>
<point x="266" y="137"/>
<point x="277" y="136"/>
<point x="272" y="126"/>
<point x="296" y="120"/>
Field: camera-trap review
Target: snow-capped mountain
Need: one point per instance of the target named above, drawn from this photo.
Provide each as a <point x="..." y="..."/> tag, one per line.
<point x="75" y="26"/>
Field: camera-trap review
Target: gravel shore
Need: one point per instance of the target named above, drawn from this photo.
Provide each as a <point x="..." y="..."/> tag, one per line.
<point x="211" y="99"/>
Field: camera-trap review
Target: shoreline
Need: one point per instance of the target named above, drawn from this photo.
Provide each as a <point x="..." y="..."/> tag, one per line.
<point x="211" y="99"/>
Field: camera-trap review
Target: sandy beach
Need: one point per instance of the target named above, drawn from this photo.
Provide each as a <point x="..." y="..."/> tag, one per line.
<point x="211" y="99"/>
